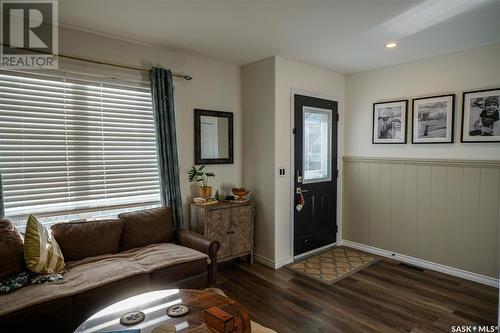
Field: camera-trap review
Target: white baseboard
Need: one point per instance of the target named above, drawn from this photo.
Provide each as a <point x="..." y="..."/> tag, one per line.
<point x="263" y="260"/>
<point x="424" y="263"/>
<point x="283" y="262"/>
<point x="271" y="263"/>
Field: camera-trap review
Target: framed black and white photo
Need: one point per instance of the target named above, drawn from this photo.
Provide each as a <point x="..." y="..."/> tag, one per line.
<point x="433" y="119"/>
<point x="480" y="116"/>
<point x="389" y="122"/>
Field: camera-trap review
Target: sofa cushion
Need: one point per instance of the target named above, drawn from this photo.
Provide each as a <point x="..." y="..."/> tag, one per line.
<point x="164" y="276"/>
<point x="41" y="251"/>
<point x="95" y="272"/>
<point x="11" y="250"/>
<point x="54" y="316"/>
<point x="145" y="227"/>
<point x="79" y="240"/>
<point x="91" y="301"/>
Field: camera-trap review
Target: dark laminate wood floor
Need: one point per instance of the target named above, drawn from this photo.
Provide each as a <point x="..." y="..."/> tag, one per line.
<point x="385" y="297"/>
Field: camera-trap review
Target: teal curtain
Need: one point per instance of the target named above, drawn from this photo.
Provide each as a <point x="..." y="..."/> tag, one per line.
<point x="162" y="92"/>
<point x="2" y="209"/>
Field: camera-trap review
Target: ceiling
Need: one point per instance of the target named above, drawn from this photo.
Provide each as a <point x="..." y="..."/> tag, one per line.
<point x="347" y="36"/>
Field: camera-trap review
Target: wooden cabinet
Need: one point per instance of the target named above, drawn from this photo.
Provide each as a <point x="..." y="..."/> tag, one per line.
<point x="229" y="223"/>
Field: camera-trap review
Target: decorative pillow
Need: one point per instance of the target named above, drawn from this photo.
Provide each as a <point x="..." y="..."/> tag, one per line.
<point x="79" y="240"/>
<point x="41" y="251"/>
<point x="144" y="227"/>
<point x="14" y="282"/>
<point x="11" y="250"/>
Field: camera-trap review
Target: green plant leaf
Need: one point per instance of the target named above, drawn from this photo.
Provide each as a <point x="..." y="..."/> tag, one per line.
<point x="198" y="175"/>
<point x="193" y="175"/>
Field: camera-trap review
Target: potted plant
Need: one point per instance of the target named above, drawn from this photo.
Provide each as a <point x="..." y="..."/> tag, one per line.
<point x="198" y="175"/>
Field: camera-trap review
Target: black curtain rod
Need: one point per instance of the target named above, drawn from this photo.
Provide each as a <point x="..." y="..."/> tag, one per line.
<point x="184" y="76"/>
<point x="180" y="75"/>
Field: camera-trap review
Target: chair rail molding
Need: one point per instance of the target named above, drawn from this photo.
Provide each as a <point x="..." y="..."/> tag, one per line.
<point x="425" y="161"/>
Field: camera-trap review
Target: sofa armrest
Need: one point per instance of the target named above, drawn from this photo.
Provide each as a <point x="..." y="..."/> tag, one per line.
<point x="200" y="243"/>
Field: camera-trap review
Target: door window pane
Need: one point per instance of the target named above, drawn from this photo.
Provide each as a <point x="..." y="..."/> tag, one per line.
<point x="317" y="144"/>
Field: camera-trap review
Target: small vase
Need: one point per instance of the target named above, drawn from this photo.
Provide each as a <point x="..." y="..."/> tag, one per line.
<point x="205" y="191"/>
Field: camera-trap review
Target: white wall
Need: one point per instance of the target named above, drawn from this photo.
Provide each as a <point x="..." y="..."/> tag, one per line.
<point x="298" y="76"/>
<point x="268" y="123"/>
<point x="451" y="73"/>
<point x="215" y="86"/>
<point x="258" y="81"/>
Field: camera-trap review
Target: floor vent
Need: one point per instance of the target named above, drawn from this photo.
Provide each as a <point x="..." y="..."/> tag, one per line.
<point x="415" y="268"/>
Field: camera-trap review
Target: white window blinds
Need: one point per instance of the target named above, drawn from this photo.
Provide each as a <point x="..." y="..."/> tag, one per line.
<point x="71" y="145"/>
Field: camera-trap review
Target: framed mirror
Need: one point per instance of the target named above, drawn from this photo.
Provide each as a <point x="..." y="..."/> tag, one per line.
<point x="213" y="137"/>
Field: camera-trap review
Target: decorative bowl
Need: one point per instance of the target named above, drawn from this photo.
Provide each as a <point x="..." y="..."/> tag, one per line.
<point x="240" y="192"/>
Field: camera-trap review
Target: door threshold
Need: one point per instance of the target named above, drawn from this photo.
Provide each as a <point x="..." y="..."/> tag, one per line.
<point x="308" y="253"/>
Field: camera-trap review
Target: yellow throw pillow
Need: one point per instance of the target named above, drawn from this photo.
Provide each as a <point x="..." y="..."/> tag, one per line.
<point x="41" y="251"/>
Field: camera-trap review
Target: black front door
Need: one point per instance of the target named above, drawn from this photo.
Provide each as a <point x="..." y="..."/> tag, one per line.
<point x="315" y="144"/>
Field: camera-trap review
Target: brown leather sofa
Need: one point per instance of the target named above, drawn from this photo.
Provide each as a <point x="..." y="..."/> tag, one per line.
<point x="84" y="241"/>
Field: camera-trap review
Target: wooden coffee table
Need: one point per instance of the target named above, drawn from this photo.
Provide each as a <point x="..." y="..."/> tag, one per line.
<point x="154" y="305"/>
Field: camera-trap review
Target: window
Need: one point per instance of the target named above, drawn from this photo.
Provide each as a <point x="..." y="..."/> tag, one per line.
<point x="70" y="146"/>
<point x="317" y="144"/>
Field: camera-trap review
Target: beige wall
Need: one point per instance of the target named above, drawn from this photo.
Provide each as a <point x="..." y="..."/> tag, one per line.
<point x="258" y="81"/>
<point x="216" y="86"/>
<point x="443" y="211"/>
<point x="306" y="78"/>
<point x="451" y="73"/>
<point x="446" y="213"/>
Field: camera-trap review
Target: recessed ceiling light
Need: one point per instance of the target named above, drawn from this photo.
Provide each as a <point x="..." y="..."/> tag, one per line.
<point x="391" y="45"/>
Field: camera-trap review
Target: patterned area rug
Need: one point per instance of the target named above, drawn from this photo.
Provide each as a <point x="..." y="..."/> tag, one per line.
<point x="333" y="264"/>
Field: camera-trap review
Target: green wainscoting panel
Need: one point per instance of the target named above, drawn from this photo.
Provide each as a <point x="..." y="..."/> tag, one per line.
<point x="438" y="214"/>
<point x="453" y="231"/>
<point x="410" y="210"/>
<point x="424" y="217"/>
<point x="443" y="211"/>
<point x="488" y="214"/>
<point x="373" y="203"/>
<point x="385" y="207"/>
<point x="363" y="203"/>
<point x="397" y="208"/>
<point x="470" y="219"/>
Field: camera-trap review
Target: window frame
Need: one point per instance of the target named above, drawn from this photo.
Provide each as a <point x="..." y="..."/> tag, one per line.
<point x="90" y="80"/>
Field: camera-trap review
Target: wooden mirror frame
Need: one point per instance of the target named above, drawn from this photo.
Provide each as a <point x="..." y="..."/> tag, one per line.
<point x="197" y="137"/>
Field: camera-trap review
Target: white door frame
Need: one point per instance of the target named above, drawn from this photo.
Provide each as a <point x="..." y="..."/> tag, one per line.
<point x="340" y="154"/>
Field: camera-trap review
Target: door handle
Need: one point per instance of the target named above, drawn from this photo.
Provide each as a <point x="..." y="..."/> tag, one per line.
<point x="299" y="190"/>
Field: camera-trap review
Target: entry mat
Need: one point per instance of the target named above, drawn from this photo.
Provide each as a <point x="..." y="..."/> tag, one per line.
<point x="332" y="265"/>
